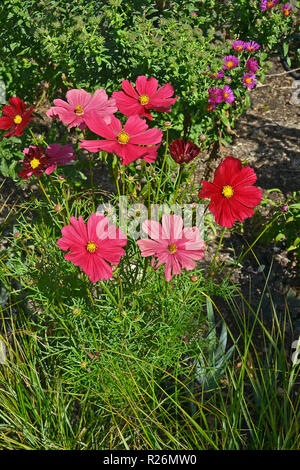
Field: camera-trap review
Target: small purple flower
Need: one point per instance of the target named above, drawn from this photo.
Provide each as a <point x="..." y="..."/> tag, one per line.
<point x="215" y="95"/>
<point x="249" y="80"/>
<point x="228" y="79"/>
<point x="231" y="62"/>
<point x="252" y="46"/>
<point x="194" y="13"/>
<point x="252" y="65"/>
<point x="228" y="95"/>
<point x="211" y="107"/>
<point x="219" y="74"/>
<point x="287" y="9"/>
<point x="238" y="46"/>
<point x="267" y="4"/>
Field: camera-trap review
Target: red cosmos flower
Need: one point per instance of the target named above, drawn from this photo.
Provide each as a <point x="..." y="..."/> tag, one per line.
<point x="143" y="97"/>
<point x="231" y="192"/>
<point x="35" y="162"/>
<point x="183" y="152"/>
<point x="128" y="143"/>
<point x="93" y="246"/>
<point x="15" y="117"/>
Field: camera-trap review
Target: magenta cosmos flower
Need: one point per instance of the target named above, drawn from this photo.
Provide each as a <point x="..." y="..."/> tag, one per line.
<point x="129" y="143"/>
<point x="228" y="95"/>
<point x="267" y="4"/>
<point x="93" y="246"/>
<point x="252" y="65"/>
<point x="79" y="103"/>
<point x="232" y="193"/>
<point x="238" y="46"/>
<point x="249" y="80"/>
<point x="58" y="155"/>
<point x="172" y="245"/>
<point x="287" y="9"/>
<point x="252" y="46"/>
<point x="143" y="97"/>
<point x="15" y="117"/>
<point x="231" y="62"/>
<point x="183" y="152"/>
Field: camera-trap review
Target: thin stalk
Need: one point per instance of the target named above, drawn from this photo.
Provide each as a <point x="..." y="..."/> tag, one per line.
<point x="163" y="165"/>
<point x="217" y="251"/>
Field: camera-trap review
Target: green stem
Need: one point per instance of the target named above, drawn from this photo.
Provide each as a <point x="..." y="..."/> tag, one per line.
<point x="44" y="191"/>
<point x="163" y="165"/>
<point x="92" y="181"/>
<point x="109" y="293"/>
<point x="217" y="251"/>
<point x="178" y="182"/>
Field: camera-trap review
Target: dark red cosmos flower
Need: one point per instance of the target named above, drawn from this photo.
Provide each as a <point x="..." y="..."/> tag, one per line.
<point x="35" y="162"/>
<point x="231" y="192"/>
<point x="15" y="117"/>
<point x="183" y="152"/>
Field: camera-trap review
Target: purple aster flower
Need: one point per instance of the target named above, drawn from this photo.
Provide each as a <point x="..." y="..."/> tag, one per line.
<point x="238" y="46"/>
<point x="267" y="4"/>
<point x="249" y="80"/>
<point x="215" y="95"/>
<point x="230" y="62"/>
<point x="228" y="79"/>
<point x="228" y="95"/>
<point x="219" y="74"/>
<point x="287" y="9"/>
<point x="251" y="46"/>
<point x="211" y="107"/>
<point x="252" y="65"/>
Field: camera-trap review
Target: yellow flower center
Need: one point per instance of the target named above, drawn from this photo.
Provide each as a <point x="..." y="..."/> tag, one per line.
<point x="227" y="191"/>
<point x="123" y="138"/>
<point x="248" y="80"/>
<point x="17" y="119"/>
<point x="34" y="163"/>
<point x="270" y="4"/>
<point x="226" y="94"/>
<point x="238" y="48"/>
<point x="91" y="247"/>
<point x="172" y="248"/>
<point x="144" y="99"/>
<point x="230" y="64"/>
<point x="79" y="110"/>
<point x="286" y="12"/>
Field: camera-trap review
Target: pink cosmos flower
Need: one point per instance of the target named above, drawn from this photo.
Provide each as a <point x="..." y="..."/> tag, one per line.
<point x="249" y="80"/>
<point x="79" y="103"/>
<point x="252" y="65"/>
<point x="172" y="245"/>
<point x="252" y="46"/>
<point x="93" y="246"/>
<point x="128" y="143"/>
<point x="267" y="4"/>
<point x="231" y="62"/>
<point x="238" y="46"/>
<point x="228" y="95"/>
<point x="287" y="9"/>
<point x="144" y="96"/>
<point x="58" y="155"/>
